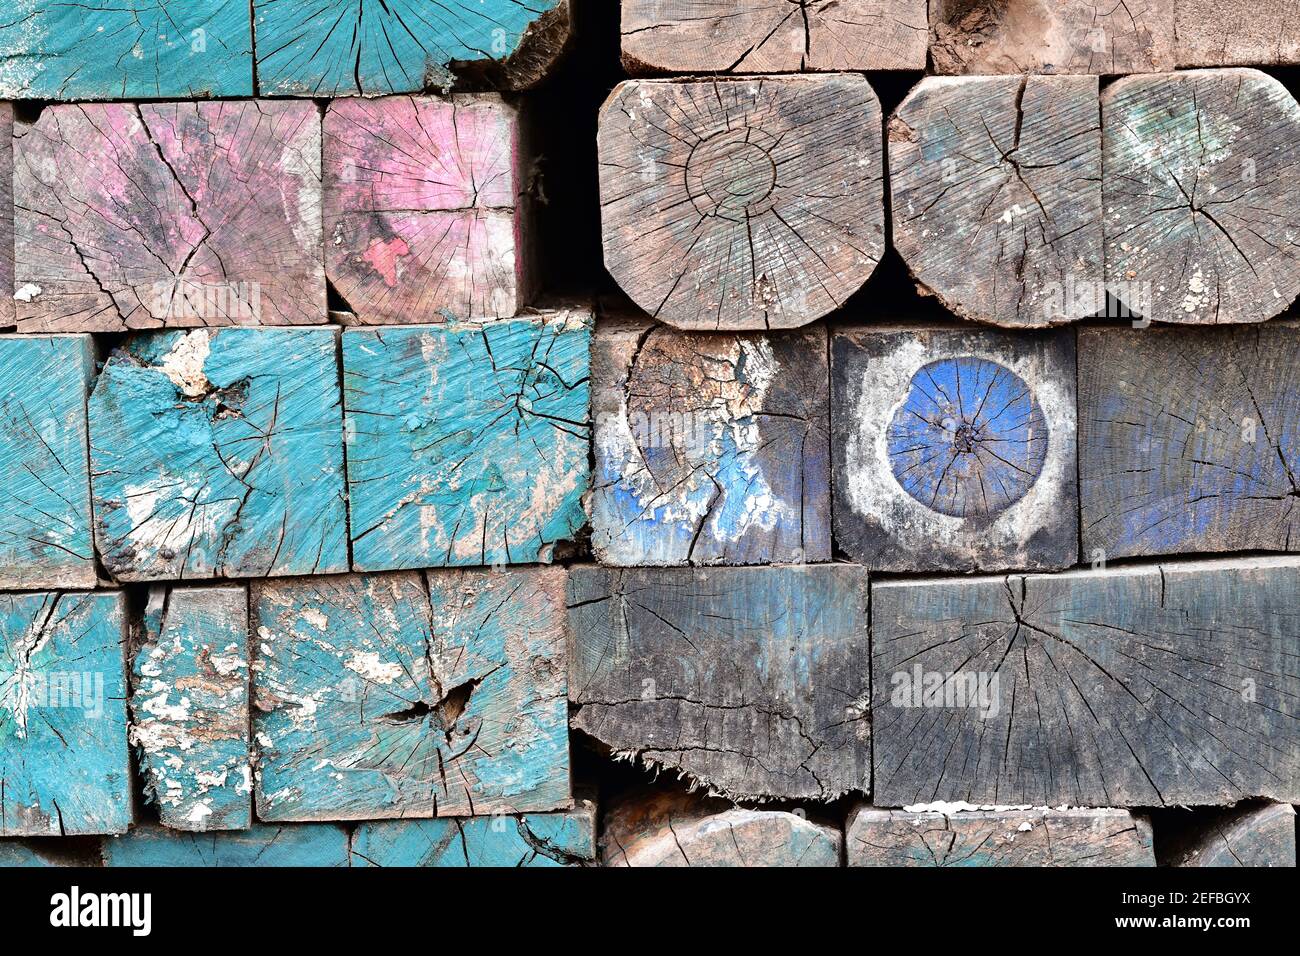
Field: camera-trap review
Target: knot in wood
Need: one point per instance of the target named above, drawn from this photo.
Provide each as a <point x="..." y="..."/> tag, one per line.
<point x="732" y="174"/>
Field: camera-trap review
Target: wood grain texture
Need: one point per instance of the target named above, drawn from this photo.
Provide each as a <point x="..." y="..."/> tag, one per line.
<point x="219" y="453"/>
<point x="424" y="213"/>
<point x="741" y="204"/>
<point x="1189" y="440"/>
<point x="376" y="698"/>
<point x="64" y="763"/>
<point x="7" y="301"/>
<point x="1052" y="36"/>
<point x="469" y="443"/>
<point x="1147" y="686"/>
<point x="710" y="449"/>
<point x="773" y="36"/>
<point x="315" y="845"/>
<point x="168" y="214"/>
<point x="1237" y="33"/>
<point x="750" y="682"/>
<point x="1202" y="195"/>
<point x="996" y="196"/>
<point x="530" y="840"/>
<point x="327" y="48"/>
<point x="1070" y="836"/>
<point x="1252" y="834"/>
<point x="45" y="537"/>
<point x="126" y="49"/>
<point x="954" y="448"/>
<point x="190" y="708"/>
<point x="671" y="829"/>
<point x="49" y="851"/>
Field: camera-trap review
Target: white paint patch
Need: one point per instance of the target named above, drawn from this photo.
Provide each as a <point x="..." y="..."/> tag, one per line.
<point x="28" y="291"/>
<point x="373" y="667"/>
<point x="184" y="363"/>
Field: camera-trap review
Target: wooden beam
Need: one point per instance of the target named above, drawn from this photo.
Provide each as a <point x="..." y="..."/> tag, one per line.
<point x="425" y="212"/>
<point x="1146" y="686"/>
<point x="45" y="538"/>
<point x="773" y="36"/>
<point x="742" y="204"/>
<point x="751" y="682"/>
<point x="1237" y="33"/>
<point x="954" y="448"/>
<point x="1185" y="440"/>
<point x="189" y="708"/>
<point x="315" y="845"/>
<point x="1069" y="836"/>
<point x="7" y="301"/>
<point x="996" y="196"/>
<point x="330" y="48"/>
<point x="65" y="768"/>
<point x="710" y="449"/>
<point x="373" y="703"/>
<point x="128" y="49"/>
<point x="1063" y="36"/>
<point x="168" y="214"/>
<point x="1201" y="195"/>
<point x="534" y="839"/>
<point x="468" y="443"/>
<point x="219" y="454"/>
<point x="1252" y="834"/>
<point x="674" y="829"/>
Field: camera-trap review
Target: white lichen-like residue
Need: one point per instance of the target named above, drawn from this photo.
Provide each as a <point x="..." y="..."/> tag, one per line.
<point x="184" y="363"/>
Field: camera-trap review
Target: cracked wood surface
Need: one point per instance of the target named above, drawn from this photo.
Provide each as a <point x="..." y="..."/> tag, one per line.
<point x="954" y="448"/>
<point x="219" y="453"/>
<point x="1237" y="32"/>
<point x="133" y="216"/>
<point x="1147" y="686"/>
<point x="773" y="36"/>
<point x="1070" y="836"/>
<point x="674" y="830"/>
<point x="469" y="443"/>
<point x="262" y="844"/>
<point x="189" y="708"/>
<point x="7" y="300"/>
<point x="424" y="214"/>
<point x="1202" y="195"/>
<point x="64" y="764"/>
<point x="1052" y="36"/>
<point x="996" y="196"/>
<point x="710" y="449"/>
<point x="1189" y="440"/>
<point x="326" y="48"/>
<point x="45" y="537"/>
<point x="532" y="840"/>
<point x="384" y="696"/>
<point x="751" y="682"/>
<point x="735" y="204"/>
<point x="126" y="49"/>
<point x="1249" y="835"/>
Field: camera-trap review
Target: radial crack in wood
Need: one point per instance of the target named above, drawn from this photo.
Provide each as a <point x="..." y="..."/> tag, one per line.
<point x="314" y="845"/>
<point x="1252" y="834"/>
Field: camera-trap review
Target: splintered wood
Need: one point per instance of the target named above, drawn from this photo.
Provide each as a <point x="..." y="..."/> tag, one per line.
<point x="996" y="196"/>
<point x="773" y="36"/>
<point x="750" y="682"/>
<point x="1146" y="686"/>
<point x="742" y="204"/>
<point x="168" y="214"/>
<point x="422" y="208"/>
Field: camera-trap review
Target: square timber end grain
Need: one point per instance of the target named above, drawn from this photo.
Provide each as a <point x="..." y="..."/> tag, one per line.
<point x="773" y="36"/>
<point x="710" y="449"/>
<point x="45" y="537"/>
<point x="383" y="696"/>
<point x="219" y="453"/>
<point x="1144" y="686"/>
<point x="742" y="204"/>
<point x="468" y="443"/>
<point x="954" y="448"/>
<point x="752" y="682"/>
<point x="425" y="212"/>
<point x="152" y="215"/>
<point x="189" y="708"/>
<point x="65" y="766"/>
<point x="126" y="50"/>
<point x="262" y="844"/>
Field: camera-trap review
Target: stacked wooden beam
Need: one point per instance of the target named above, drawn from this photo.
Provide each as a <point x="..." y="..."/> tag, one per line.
<point x="330" y="532"/>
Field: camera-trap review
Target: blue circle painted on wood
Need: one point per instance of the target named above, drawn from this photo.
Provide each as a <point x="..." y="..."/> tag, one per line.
<point x="970" y="438"/>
